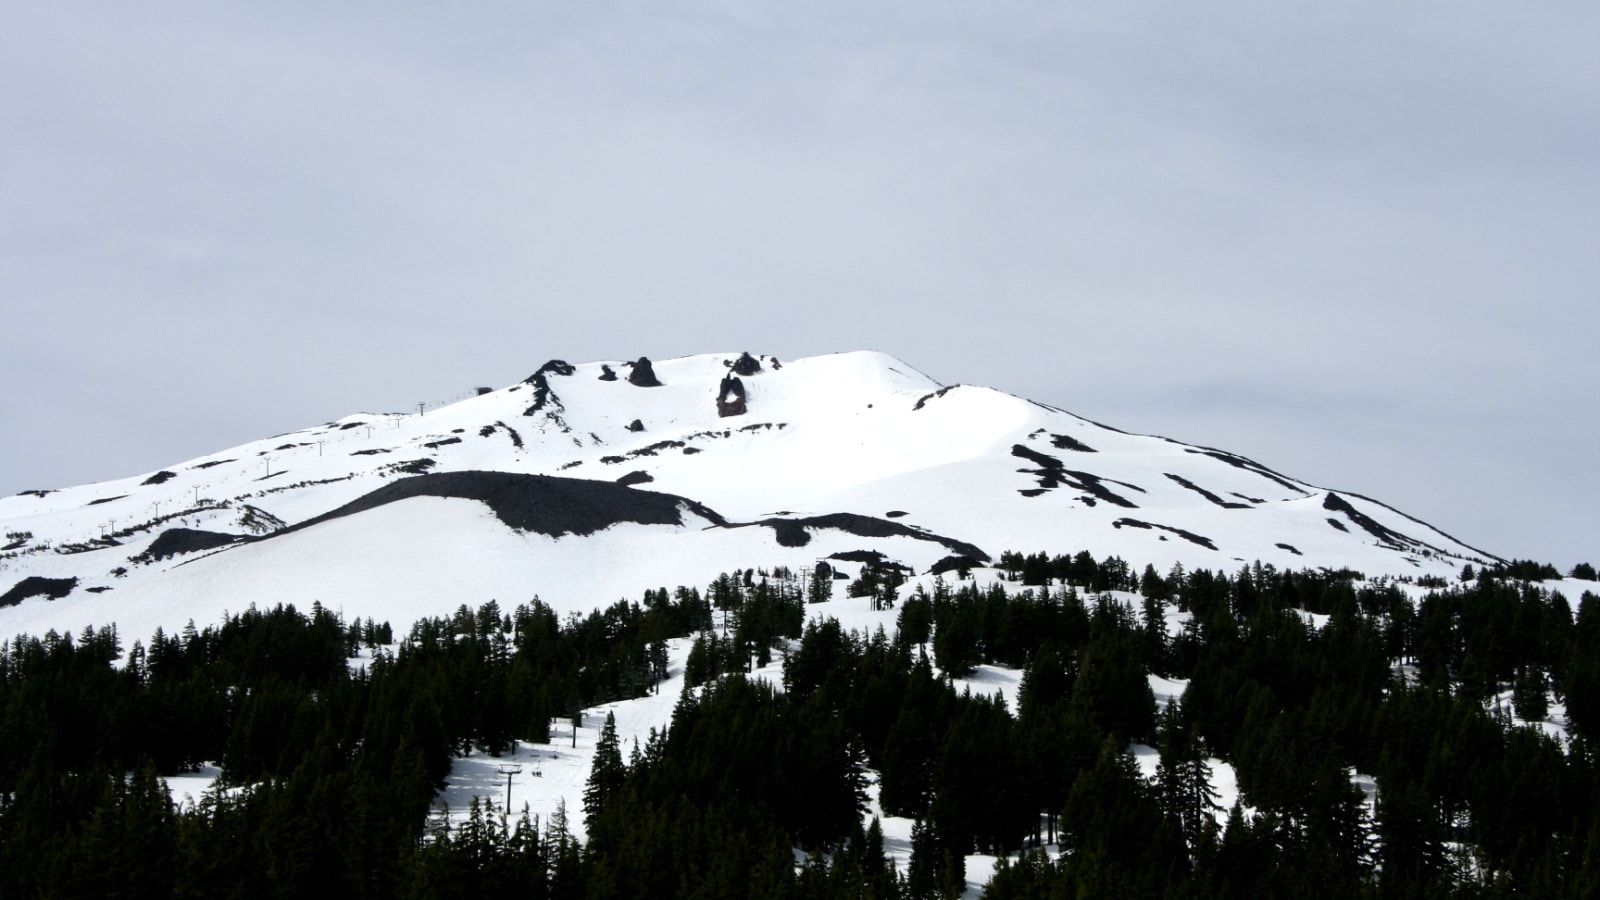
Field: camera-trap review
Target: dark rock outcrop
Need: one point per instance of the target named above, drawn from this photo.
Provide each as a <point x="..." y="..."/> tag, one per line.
<point x="796" y="532"/>
<point x="730" y="398"/>
<point x="543" y="396"/>
<point x="958" y="564"/>
<point x="607" y="374"/>
<point x="1225" y="504"/>
<point x="546" y="504"/>
<point x="1067" y="442"/>
<point x="1385" y="535"/>
<point x="160" y="477"/>
<point x="1189" y="536"/>
<point x="746" y="365"/>
<point x="37" y="586"/>
<point x="643" y="374"/>
<point x="177" y="541"/>
<point x="636" y="426"/>
<point x="557" y="367"/>
<point x="1052" y="474"/>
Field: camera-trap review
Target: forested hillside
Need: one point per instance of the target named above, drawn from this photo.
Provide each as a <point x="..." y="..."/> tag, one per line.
<point x="1472" y="704"/>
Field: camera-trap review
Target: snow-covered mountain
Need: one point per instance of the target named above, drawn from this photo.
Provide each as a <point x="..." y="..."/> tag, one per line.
<point x="586" y="483"/>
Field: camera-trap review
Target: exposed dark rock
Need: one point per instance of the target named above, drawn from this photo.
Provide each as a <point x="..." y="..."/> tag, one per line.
<point x="161" y="477"/>
<point x="643" y="374"/>
<point x="1249" y="465"/>
<point x="349" y="425"/>
<point x="557" y="367"/>
<point x="177" y="541"/>
<point x="746" y="365"/>
<point x="1290" y="548"/>
<point x="284" y="447"/>
<point x="516" y="439"/>
<point x="1067" y="442"/>
<point x="37" y="586"/>
<point x="412" y="467"/>
<point x="545" y="504"/>
<point x="655" y="448"/>
<point x="373" y="452"/>
<point x="483" y="390"/>
<point x="104" y="500"/>
<point x="543" y="396"/>
<point x="1053" y="474"/>
<point x="1243" y="497"/>
<point x="434" y="445"/>
<point x="1225" y="504"/>
<point x="99" y="589"/>
<point x="730" y="398"/>
<point x="788" y="532"/>
<point x="638" y="476"/>
<point x="207" y="465"/>
<point x="1337" y="524"/>
<point x="923" y="400"/>
<point x="606" y="374"/>
<point x="613" y="460"/>
<point x="1189" y="536"/>
<point x="794" y="532"/>
<point x="1384" y="534"/>
<point x="636" y="426"/>
<point x="1032" y="492"/>
<point x="956" y="564"/>
<point x="872" y="557"/>
<point x="690" y="451"/>
<point x="894" y="513"/>
<point x="485" y="431"/>
<point x="258" y="521"/>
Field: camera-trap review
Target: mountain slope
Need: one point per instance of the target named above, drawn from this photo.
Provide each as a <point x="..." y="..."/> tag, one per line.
<point x="662" y="473"/>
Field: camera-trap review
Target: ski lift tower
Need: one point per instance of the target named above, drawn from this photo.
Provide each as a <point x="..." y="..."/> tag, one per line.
<point x="508" y="771"/>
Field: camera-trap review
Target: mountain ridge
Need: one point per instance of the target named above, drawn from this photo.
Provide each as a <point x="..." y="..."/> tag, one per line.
<point x="855" y="434"/>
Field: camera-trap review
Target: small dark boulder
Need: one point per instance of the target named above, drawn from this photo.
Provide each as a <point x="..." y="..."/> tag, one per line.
<point x="606" y="373"/>
<point x="636" y="477"/>
<point x="730" y="399"/>
<point x="636" y="426"/>
<point x="643" y="374"/>
<point x="746" y="365"/>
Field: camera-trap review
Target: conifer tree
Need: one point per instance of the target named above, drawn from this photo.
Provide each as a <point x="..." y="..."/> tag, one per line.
<point x="606" y="774"/>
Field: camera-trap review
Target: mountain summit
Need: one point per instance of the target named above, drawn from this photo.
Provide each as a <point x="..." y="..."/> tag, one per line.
<point x="587" y="482"/>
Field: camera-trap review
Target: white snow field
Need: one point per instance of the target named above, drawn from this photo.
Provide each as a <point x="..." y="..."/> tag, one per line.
<point x="858" y="433"/>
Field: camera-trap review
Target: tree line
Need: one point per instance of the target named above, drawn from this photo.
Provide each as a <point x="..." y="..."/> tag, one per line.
<point x="1297" y="679"/>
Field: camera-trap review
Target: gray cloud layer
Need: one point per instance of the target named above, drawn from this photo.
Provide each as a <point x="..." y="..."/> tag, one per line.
<point x="1356" y="242"/>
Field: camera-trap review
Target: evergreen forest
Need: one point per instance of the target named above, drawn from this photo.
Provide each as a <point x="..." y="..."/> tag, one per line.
<point x="1298" y="680"/>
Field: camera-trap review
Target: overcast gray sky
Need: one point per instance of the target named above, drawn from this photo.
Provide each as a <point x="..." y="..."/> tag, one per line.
<point x="1358" y="241"/>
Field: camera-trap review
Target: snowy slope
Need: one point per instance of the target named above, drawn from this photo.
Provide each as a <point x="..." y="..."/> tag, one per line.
<point x="930" y="468"/>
